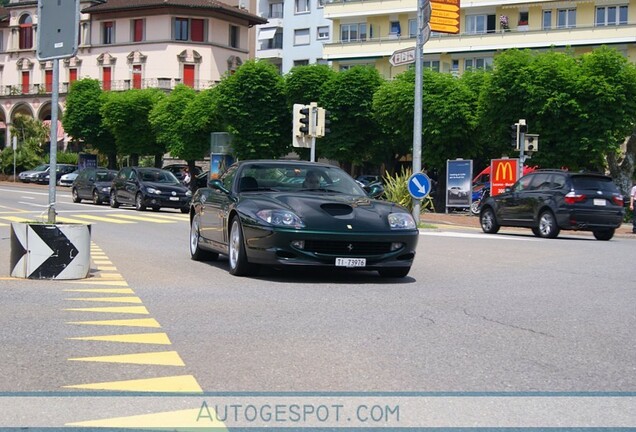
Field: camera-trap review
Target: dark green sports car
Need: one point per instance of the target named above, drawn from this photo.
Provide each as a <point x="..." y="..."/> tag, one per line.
<point x="293" y="213"/>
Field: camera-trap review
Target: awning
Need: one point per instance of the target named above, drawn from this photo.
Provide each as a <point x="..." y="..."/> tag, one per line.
<point x="267" y="33"/>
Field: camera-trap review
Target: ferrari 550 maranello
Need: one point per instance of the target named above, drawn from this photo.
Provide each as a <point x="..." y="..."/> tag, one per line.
<point x="294" y="213"/>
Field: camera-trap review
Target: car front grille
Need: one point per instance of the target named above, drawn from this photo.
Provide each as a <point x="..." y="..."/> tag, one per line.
<point x="353" y="248"/>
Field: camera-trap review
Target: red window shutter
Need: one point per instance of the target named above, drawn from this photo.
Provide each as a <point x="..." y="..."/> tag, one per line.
<point x="48" y="81"/>
<point x="197" y="30"/>
<point x="188" y="75"/>
<point x="138" y="30"/>
<point x="72" y="75"/>
<point x="26" y="82"/>
<point x="106" y="77"/>
<point x="136" y="76"/>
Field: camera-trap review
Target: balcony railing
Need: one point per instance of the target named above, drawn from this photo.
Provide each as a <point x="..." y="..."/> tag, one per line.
<point x="119" y="85"/>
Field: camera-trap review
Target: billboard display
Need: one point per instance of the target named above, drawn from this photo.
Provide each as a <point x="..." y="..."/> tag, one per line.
<point x="503" y="173"/>
<point x="459" y="173"/>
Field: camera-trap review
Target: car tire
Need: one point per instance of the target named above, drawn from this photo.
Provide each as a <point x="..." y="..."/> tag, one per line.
<point x="196" y="253"/>
<point x="536" y="232"/>
<point x="604" y="234"/>
<point x="139" y="202"/>
<point x="548" y="227"/>
<point x="113" y="200"/>
<point x="185" y="209"/>
<point x="76" y="198"/>
<point x="398" y="272"/>
<point x="239" y="266"/>
<point x="96" y="199"/>
<point x="488" y="221"/>
<point x="474" y="207"/>
<point x="156" y="209"/>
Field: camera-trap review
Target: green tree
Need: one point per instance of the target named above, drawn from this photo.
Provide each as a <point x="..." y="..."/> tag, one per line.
<point x="253" y="109"/>
<point x="83" y="119"/>
<point x="126" y="115"/>
<point x="348" y="96"/>
<point x="303" y="84"/>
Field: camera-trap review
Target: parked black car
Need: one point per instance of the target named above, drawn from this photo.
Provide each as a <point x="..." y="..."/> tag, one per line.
<point x="93" y="184"/>
<point x="149" y="187"/>
<point x="60" y="170"/>
<point x="548" y="201"/>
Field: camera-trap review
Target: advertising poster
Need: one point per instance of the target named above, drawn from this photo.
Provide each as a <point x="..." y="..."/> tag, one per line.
<point x="459" y="173"/>
<point x="87" y="160"/>
<point x="503" y="173"/>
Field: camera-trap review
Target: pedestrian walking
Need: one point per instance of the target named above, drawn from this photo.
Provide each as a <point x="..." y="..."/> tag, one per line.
<point x="632" y="199"/>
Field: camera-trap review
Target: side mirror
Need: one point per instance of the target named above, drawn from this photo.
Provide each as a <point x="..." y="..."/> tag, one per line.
<point x="374" y="190"/>
<point x="218" y="185"/>
<point x="508" y="189"/>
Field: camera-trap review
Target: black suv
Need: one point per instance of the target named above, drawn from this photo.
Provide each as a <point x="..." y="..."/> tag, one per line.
<point x="548" y="201"/>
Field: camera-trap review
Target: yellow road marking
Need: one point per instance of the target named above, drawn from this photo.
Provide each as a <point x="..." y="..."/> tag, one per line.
<point x="142" y="218"/>
<point x="172" y="420"/>
<point x="180" y="218"/>
<point x="103" y="219"/>
<point x="18" y="219"/>
<point x="138" y="322"/>
<point x="166" y="358"/>
<point x="70" y="220"/>
<point x="172" y="384"/>
<point x="133" y="299"/>
<point x="96" y="281"/>
<point x="142" y="338"/>
<point x="103" y="290"/>
<point x="101" y="267"/>
<point x="139" y="310"/>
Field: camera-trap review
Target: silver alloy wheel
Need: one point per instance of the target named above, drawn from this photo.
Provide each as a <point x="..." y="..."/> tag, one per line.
<point x="76" y="197"/>
<point x="487" y="220"/>
<point x="95" y="197"/>
<point x="194" y="234"/>
<point x="546" y="224"/>
<point x="235" y="244"/>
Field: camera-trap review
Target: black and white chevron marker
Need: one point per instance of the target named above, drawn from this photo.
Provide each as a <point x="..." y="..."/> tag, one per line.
<point x="50" y="251"/>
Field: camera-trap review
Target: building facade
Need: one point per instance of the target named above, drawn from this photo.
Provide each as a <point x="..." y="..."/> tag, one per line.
<point x="295" y="32"/>
<point x="368" y="31"/>
<point x="125" y="44"/>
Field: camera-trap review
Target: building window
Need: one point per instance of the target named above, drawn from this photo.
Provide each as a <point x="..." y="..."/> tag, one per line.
<point x="106" y="78"/>
<point x="301" y="37"/>
<point x="181" y="29"/>
<point x="26" y="32"/>
<point x="323" y="33"/>
<point x="353" y="32"/>
<point x="478" y="63"/>
<point x="197" y="30"/>
<point x="611" y="15"/>
<point x="234" y="36"/>
<point x="479" y="24"/>
<point x="547" y="19"/>
<point x="276" y="10"/>
<point x="108" y="32"/>
<point x="412" y="28"/>
<point x="523" y="18"/>
<point x="431" y="64"/>
<point x="302" y="6"/>
<point x="394" y="28"/>
<point x="566" y="18"/>
<point x="137" y="30"/>
<point x="301" y="62"/>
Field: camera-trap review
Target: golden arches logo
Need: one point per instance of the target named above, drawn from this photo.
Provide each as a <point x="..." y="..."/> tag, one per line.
<point x="504" y="172"/>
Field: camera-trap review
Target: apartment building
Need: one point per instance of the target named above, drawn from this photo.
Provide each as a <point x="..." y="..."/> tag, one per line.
<point x="369" y="31"/>
<point x="125" y="44"/>
<point x="295" y="32"/>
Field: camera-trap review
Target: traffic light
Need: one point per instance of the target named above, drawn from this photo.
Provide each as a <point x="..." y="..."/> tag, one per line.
<point x="531" y="143"/>
<point x="322" y="122"/>
<point x="514" y="135"/>
<point x="523" y="127"/>
<point x="301" y="120"/>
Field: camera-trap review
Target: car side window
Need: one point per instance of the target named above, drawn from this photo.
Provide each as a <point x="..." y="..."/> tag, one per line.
<point x="228" y="177"/>
<point x="523" y="183"/>
<point x="540" y="182"/>
<point x="558" y="181"/>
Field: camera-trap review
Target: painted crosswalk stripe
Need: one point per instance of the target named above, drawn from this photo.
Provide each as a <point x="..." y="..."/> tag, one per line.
<point x="143" y="218"/>
<point x="138" y="322"/>
<point x="102" y="290"/>
<point x="138" y="310"/>
<point x="165" y="358"/>
<point x="181" y="217"/>
<point x="140" y="338"/>
<point x="186" y="419"/>
<point x="71" y="220"/>
<point x="103" y="219"/>
<point x="172" y="384"/>
<point x="126" y="299"/>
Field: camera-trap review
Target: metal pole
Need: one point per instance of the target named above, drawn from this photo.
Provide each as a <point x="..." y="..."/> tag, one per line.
<point x="53" y="138"/>
<point x="313" y="116"/>
<point x="15" y="151"/>
<point x="417" y="108"/>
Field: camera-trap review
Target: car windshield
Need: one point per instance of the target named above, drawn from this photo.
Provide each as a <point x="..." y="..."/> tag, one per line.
<point x="41" y="168"/>
<point x="286" y="177"/>
<point x="158" y="176"/>
<point x="104" y="176"/>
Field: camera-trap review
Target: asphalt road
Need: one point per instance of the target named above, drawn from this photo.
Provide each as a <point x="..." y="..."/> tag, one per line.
<point x="478" y="313"/>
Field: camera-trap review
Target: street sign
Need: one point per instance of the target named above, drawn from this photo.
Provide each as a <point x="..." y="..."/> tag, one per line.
<point x="503" y="173"/>
<point x="419" y="185"/>
<point x="445" y="16"/>
<point x="403" y="57"/>
<point x="58" y="29"/>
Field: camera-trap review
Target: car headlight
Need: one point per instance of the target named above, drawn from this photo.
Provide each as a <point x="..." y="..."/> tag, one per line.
<point x="283" y="218"/>
<point x="152" y="190"/>
<point x="400" y="221"/>
<point x="189" y="193"/>
<point x="106" y="189"/>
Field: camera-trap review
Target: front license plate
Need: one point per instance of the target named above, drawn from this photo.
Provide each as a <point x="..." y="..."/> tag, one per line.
<point x="599" y="202"/>
<point x="351" y="262"/>
<point x="174" y="198"/>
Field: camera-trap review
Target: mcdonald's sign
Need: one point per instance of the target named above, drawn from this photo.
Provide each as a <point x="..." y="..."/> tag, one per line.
<point x="503" y="173"/>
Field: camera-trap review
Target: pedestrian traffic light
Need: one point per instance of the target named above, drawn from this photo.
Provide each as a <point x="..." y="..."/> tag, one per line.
<point x="301" y="120"/>
<point x="514" y="135"/>
<point x="322" y="122"/>
<point x="523" y="127"/>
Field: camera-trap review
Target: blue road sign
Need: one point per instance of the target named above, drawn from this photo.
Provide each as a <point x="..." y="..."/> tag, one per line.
<point x="419" y="185"/>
